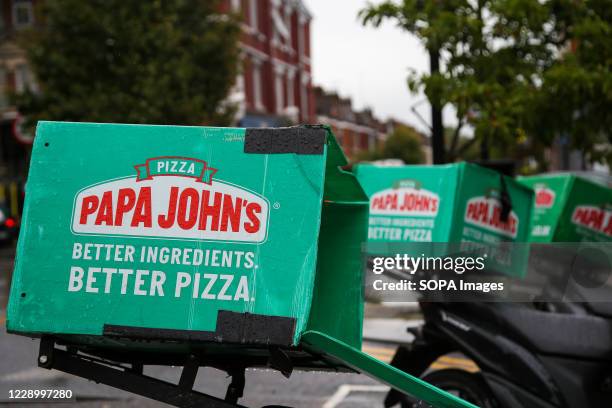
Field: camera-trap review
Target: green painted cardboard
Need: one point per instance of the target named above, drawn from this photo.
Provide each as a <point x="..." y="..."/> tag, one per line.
<point x="446" y="203"/>
<point x="569" y="208"/>
<point x="163" y="227"/>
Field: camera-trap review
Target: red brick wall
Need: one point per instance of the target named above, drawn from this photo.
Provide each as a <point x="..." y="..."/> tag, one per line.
<point x="259" y="44"/>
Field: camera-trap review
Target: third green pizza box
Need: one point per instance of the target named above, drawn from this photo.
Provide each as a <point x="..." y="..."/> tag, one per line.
<point x="569" y="208"/>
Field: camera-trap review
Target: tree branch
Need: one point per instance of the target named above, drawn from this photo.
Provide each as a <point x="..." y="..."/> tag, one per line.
<point x="466" y="146"/>
<point x="455" y="139"/>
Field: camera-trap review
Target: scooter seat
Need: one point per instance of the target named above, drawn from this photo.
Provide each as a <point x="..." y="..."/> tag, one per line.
<point x="576" y="335"/>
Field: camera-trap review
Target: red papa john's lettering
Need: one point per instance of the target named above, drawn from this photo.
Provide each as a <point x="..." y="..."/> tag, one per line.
<point x="484" y="213"/>
<point x="594" y="218"/>
<point x="189" y="208"/>
<point x="405" y="202"/>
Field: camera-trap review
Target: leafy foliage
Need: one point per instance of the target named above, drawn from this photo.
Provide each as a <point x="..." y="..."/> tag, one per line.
<point x="576" y="92"/>
<point x="160" y="62"/>
<point x="520" y="72"/>
<point x="404" y="144"/>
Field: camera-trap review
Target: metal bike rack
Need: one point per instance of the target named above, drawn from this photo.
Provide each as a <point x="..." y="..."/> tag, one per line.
<point x="133" y="380"/>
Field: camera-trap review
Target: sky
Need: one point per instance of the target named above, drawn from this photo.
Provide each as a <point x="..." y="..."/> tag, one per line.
<point x="370" y="65"/>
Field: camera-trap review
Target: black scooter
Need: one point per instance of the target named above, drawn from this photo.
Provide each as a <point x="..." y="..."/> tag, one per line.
<point x="549" y="355"/>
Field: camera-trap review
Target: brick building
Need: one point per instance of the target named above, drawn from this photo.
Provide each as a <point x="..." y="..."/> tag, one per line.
<point x="357" y="131"/>
<point x="274" y="87"/>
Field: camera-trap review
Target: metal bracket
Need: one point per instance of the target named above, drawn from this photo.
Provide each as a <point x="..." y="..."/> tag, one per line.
<point x="279" y="360"/>
<point x="236" y="388"/>
<point x="132" y="380"/>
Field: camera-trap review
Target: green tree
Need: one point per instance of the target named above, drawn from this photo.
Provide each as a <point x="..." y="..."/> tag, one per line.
<point x="159" y="62"/>
<point x="404" y="144"/>
<point x="576" y="93"/>
<point x="498" y="62"/>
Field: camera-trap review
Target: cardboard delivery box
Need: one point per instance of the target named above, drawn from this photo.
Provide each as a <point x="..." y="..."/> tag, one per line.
<point x="569" y="208"/>
<point x="448" y="203"/>
<point x="465" y="208"/>
<point x="188" y="234"/>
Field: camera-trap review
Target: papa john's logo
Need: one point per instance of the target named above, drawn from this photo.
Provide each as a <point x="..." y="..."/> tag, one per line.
<point x="405" y="198"/>
<point x="595" y="218"/>
<point x="544" y="197"/>
<point x="174" y="198"/>
<point x="485" y="212"/>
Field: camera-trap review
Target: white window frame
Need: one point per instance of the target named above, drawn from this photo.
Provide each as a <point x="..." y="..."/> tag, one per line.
<point x="254" y="15"/>
<point x="21" y="78"/>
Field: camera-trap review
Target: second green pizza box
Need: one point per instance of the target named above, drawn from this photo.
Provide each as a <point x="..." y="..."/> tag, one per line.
<point x="453" y="203"/>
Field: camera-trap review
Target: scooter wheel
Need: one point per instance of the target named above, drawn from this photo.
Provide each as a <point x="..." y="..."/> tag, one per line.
<point x="468" y="386"/>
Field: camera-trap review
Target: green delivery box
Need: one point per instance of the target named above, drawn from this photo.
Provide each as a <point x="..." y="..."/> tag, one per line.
<point x="220" y="235"/>
<point x="569" y="208"/>
<point x="447" y="203"/>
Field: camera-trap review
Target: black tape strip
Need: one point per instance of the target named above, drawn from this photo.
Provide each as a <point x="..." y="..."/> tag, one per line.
<point x="299" y="140"/>
<point x="232" y="327"/>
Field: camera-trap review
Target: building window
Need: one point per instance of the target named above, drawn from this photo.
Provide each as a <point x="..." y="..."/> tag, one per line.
<point x="253" y="15"/>
<point x="288" y="25"/>
<point x="23" y="15"/>
<point x="280" y="30"/>
<point x="304" y="100"/>
<point x="24" y="80"/>
<point x="301" y="47"/>
<point x="236" y="5"/>
<point x="278" y="87"/>
<point x="290" y="90"/>
<point x="307" y="40"/>
<point x="257" y="97"/>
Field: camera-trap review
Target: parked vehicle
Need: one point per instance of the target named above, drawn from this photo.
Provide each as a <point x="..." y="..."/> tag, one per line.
<point x="536" y="356"/>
